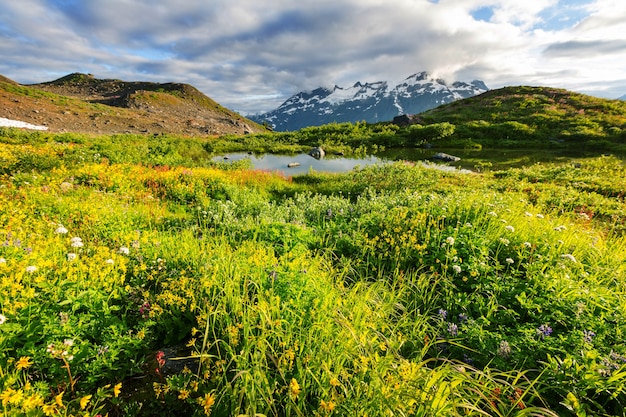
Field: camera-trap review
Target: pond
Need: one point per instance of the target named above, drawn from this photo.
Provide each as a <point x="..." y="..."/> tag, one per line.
<point x="471" y="160"/>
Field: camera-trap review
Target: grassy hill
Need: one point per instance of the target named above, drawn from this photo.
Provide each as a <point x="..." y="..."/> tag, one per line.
<point x="82" y="103"/>
<point x="513" y="116"/>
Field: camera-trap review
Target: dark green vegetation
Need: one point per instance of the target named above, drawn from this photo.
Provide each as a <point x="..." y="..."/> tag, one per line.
<point x="137" y="278"/>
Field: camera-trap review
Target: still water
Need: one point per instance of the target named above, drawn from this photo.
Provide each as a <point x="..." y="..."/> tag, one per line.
<point x="470" y="160"/>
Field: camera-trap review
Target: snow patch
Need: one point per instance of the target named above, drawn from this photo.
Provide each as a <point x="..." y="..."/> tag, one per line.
<point x="16" y="123"/>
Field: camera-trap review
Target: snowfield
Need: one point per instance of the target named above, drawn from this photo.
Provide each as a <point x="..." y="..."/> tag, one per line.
<point x="16" y="123"/>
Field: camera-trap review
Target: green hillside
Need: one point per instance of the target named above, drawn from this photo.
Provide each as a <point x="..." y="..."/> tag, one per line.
<point x="513" y="116"/>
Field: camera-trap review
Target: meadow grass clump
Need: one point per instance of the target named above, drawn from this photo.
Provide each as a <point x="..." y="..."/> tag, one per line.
<point x="134" y="289"/>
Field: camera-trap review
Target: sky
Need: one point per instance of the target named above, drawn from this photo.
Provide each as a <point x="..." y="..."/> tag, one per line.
<point x="251" y="55"/>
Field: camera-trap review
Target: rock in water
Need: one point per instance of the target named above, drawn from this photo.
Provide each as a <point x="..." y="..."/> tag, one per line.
<point x="317" y="153"/>
<point x="440" y="156"/>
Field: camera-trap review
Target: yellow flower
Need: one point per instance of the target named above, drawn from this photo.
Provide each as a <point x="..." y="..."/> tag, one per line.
<point x="207" y="402"/>
<point x="117" y="389"/>
<point x="183" y="394"/>
<point x="294" y="388"/>
<point x="49" y="409"/>
<point x="84" y="401"/>
<point x="23" y="363"/>
<point x="334" y="382"/>
<point x="327" y="406"/>
<point x="59" y="399"/>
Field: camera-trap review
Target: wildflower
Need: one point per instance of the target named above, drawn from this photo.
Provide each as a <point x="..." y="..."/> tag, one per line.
<point x="504" y="241"/>
<point x="23" y="363"/>
<point x="84" y="401"/>
<point x="453" y="329"/>
<point x="68" y="342"/>
<point x="442" y="313"/>
<point x="334" y="382"/>
<point x="124" y="250"/>
<point x="493" y="214"/>
<point x="207" y="402"/>
<point x="544" y="330"/>
<point x="539" y="216"/>
<point x="76" y="242"/>
<point x="569" y="257"/>
<point x="457" y="269"/>
<point x="327" y="406"/>
<point x="527" y="245"/>
<point x="509" y="261"/>
<point x="560" y="228"/>
<point x="71" y="257"/>
<point x="3" y="319"/>
<point x="504" y="351"/>
<point x="58" y="399"/>
<point x="294" y="389"/>
<point x="510" y="228"/>
<point x="588" y="336"/>
<point x="61" y="230"/>
<point x="109" y="262"/>
<point x="3" y="261"/>
<point x="450" y="240"/>
<point x="183" y="394"/>
<point x="30" y="269"/>
<point x="462" y="317"/>
<point x="528" y="214"/>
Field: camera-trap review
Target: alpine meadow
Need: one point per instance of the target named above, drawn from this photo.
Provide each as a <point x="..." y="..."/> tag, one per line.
<point x="140" y="276"/>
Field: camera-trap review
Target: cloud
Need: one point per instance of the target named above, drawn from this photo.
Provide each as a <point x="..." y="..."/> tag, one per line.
<point x="250" y="55"/>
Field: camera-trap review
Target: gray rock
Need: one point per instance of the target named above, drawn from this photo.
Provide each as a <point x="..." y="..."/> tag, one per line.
<point x="444" y="157"/>
<point x="317" y="153"/>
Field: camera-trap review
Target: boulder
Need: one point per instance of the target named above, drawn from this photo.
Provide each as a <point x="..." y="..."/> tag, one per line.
<point x="317" y="153"/>
<point x="444" y="157"/>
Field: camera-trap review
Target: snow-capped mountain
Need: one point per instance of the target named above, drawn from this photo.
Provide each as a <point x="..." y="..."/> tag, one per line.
<point x="372" y="102"/>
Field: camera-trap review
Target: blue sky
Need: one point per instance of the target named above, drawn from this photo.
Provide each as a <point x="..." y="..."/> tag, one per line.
<point x="251" y="55"/>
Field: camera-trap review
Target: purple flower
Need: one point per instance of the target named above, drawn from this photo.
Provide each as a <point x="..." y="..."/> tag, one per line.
<point x="462" y="317"/>
<point x="453" y="329"/>
<point x="504" y="351"/>
<point x="544" y="330"/>
<point x="588" y="336"/>
<point x="442" y="313"/>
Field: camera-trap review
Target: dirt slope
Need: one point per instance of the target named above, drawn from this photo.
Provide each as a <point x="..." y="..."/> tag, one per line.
<point x="82" y="103"/>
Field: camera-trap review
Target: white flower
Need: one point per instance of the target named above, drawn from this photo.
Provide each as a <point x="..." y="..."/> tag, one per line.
<point x="76" y="242"/>
<point x="124" y="250"/>
<point x="504" y="241"/>
<point x="583" y="216"/>
<point x="61" y="230"/>
<point x="450" y="240"/>
<point x="539" y="216"/>
<point x="3" y="319"/>
<point x="71" y="256"/>
<point x="509" y="261"/>
<point x="560" y="228"/>
<point x="68" y="342"/>
<point x="510" y="228"/>
<point x="527" y="245"/>
<point x="528" y="214"/>
<point x="569" y="257"/>
<point x="3" y="261"/>
<point x="31" y="269"/>
<point x="457" y="269"/>
<point x="110" y="262"/>
<point x="492" y="213"/>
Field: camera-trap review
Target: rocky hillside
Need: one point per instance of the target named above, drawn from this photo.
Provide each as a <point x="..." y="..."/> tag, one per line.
<point x="82" y="103"/>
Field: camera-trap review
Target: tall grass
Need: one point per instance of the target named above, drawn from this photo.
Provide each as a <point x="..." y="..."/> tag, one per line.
<point x="393" y="290"/>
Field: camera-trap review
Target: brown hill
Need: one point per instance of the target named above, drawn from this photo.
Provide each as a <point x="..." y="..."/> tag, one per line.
<point x="82" y="103"/>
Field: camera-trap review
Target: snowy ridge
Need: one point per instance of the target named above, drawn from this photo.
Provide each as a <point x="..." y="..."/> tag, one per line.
<point x="372" y="102"/>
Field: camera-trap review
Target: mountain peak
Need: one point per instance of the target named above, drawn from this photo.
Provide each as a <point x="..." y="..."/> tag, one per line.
<point x="372" y="102"/>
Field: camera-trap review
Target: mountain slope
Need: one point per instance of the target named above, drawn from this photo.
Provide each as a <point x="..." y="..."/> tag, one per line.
<point x="372" y="102"/>
<point x="536" y="113"/>
<point x="82" y="103"/>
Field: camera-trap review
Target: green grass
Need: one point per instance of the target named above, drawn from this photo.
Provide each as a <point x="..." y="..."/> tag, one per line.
<point x="388" y="290"/>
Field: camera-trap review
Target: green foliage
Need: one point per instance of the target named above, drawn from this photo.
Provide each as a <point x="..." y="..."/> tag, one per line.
<point x="388" y="290"/>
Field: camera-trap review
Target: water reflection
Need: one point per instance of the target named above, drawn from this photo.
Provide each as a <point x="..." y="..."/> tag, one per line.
<point x="305" y="163"/>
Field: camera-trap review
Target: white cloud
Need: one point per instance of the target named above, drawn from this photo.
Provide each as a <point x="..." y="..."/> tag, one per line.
<point x="250" y="55"/>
